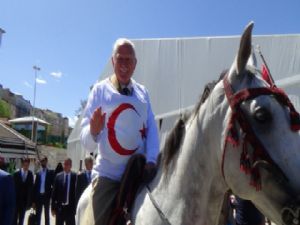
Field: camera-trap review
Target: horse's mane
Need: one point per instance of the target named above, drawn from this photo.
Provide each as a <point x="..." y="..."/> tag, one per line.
<point x="175" y="137"/>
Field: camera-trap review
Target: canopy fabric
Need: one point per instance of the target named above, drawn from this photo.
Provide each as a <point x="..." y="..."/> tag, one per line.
<point x="29" y="119"/>
<point x="175" y="72"/>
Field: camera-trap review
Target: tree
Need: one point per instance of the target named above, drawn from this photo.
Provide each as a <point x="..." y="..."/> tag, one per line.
<point x="5" y="110"/>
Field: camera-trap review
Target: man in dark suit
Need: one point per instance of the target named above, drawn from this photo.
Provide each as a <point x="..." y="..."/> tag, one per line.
<point x="23" y="183"/>
<point x="7" y="198"/>
<point x="84" y="178"/>
<point x="63" y="196"/>
<point x="42" y="190"/>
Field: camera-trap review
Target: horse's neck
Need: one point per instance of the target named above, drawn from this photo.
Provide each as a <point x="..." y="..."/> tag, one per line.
<point x="194" y="185"/>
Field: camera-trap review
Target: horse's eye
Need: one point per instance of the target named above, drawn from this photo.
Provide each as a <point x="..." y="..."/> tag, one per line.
<point x="262" y="115"/>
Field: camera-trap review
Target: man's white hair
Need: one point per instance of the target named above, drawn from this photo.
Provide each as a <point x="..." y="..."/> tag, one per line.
<point x="122" y="41"/>
<point x="88" y="158"/>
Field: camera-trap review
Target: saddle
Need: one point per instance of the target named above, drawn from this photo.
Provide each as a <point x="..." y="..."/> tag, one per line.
<point x="131" y="180"/>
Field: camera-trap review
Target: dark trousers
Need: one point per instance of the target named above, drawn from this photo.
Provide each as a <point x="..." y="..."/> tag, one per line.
<point x="19" y="215"/>
<point x="42" y="200"/>
<point x="65" y="215"/>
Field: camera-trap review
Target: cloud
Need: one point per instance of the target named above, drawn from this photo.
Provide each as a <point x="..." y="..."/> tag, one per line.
<point x="72" y="121"/>
<point x="56" y="75"/>
<point x="27" y="84"/>
<point x="41" y="81"/>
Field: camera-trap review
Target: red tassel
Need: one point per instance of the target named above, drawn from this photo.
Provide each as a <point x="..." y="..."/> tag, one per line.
<point x="295" y="121"/>
<point x="245" y="164"/>
<point x="266" y="75"/>
<point x="232" y="136"/>
<point x="255" y="179"/>
<point x="231" y="140"/>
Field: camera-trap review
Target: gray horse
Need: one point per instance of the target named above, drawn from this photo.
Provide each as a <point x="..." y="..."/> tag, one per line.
<point x="193" y="178"/>
<point x="244" y="137"/>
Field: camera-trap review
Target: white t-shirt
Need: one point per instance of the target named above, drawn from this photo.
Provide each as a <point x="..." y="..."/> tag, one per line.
<point x="129" y="128"/>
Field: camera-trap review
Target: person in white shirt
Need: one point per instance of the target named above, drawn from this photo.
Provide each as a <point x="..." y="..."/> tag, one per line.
<point x="119" y="121"/>
<point x="42" y="190"/>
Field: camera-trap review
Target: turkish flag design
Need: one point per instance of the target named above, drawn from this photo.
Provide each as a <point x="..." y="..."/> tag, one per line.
<point x="120" y="139"/>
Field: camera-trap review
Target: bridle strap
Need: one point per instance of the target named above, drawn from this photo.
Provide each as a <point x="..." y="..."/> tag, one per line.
<point x="259" y="151"/>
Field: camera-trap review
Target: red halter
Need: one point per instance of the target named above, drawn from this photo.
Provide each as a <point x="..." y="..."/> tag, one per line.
<point x="248" y="158"/>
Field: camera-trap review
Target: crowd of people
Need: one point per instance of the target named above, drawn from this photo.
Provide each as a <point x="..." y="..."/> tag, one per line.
<point x="58" y="189"/>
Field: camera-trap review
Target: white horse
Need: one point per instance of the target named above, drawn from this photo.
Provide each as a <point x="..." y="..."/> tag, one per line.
<point x="203" y="157"/>
<point x="189" y="186"/>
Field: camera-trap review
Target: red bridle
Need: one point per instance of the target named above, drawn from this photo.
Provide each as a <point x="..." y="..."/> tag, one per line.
<point x="248" y="158"/>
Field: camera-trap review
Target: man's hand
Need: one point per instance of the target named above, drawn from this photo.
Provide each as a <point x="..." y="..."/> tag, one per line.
<point x="149" y="171"/>
<point x="33" y="206"/>
<point x="53" y="212"/>
<point x="97" y="122"/>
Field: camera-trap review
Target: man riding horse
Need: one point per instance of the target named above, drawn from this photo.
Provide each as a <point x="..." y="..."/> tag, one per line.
<point x="118" y="119"/>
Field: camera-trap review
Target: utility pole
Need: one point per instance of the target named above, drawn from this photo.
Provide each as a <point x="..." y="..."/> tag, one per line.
<point x="34" y="126"/>
<point x="1" y="32"/>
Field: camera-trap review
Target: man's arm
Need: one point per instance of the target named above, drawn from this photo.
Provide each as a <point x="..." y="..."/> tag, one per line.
<point x="152" y="142"/>
<point x="92" y="122"/>
<point x="35" y="190"/>
<point x="78" y="188"/>
<point x="54" y="196"/>
<point x="9" y="200"/>
<point x="30" y="189"/>
<point x="152" y="145"/>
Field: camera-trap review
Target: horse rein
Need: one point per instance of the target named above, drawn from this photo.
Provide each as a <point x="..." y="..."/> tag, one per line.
<point x="248" y="159"/>
<point x="156" y="206"/>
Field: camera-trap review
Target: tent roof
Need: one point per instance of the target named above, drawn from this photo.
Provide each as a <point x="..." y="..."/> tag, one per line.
<point x="176" y="70"/>
<point x="9" y="138"/>
<point x="29" y="119"/>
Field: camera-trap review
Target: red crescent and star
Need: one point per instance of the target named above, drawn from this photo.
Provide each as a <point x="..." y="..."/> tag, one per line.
<point x="112" y="138"/>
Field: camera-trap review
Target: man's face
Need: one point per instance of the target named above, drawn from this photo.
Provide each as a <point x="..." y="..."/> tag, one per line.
<point x="67" y="166"/>
<point x="44" y="163"/>
<point x="25" y="166"/>
<point x="89" y="165"/>
<point x="124" y="63"/>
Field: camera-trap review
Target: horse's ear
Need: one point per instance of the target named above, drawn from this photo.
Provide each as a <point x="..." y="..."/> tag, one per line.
<point x="244" y="49"/>
<point x="242" y="58"/>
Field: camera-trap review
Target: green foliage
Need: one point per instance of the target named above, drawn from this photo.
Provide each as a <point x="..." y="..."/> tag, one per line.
<point x="5" y="110"/>
<point x="56" y="141"/>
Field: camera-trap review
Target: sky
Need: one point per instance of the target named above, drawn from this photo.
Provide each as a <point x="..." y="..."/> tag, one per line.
<point x="71" y="40"/>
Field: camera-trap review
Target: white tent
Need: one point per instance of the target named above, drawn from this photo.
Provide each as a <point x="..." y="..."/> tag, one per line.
<point x="175" y="72"/>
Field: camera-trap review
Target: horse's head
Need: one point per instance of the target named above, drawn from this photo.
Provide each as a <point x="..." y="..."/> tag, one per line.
<point x="261" y="158"/>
